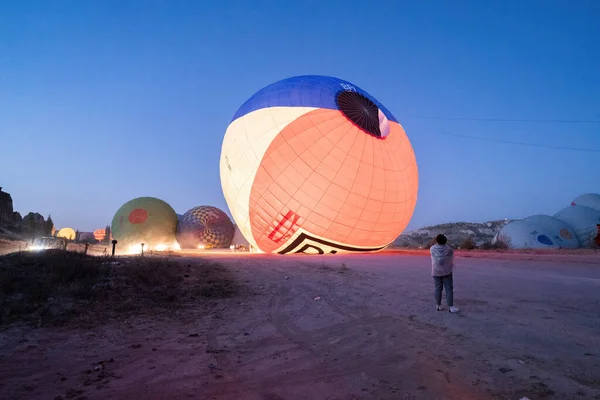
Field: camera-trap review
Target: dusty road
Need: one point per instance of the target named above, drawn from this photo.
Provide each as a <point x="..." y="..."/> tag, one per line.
<point x="339" y="327"/>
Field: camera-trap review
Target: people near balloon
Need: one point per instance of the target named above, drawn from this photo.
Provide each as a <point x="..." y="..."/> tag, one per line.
<point x="315" y="164"/>
<point x="442" y="265"/>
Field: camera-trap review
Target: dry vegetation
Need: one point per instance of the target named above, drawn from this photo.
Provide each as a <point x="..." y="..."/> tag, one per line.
<point x="57" y="287"/>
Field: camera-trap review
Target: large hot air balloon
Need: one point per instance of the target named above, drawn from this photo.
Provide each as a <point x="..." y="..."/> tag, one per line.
<point x="145" y="220"/>
<point x="314" y="164"/>
<point x="66" y="233"/>
<point x="206" y="227"/>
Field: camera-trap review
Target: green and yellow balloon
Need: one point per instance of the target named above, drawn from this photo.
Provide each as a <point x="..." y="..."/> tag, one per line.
<point x="145" y="220"/>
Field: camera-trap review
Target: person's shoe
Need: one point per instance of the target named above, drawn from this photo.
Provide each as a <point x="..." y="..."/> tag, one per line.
<point x="439" y="308"/>
<point x="454" y="309"/>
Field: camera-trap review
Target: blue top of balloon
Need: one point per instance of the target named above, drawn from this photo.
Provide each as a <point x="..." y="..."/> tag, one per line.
<point x="305" y="91"/>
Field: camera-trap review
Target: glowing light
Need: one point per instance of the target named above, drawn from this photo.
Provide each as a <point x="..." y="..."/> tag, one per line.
<point x="165" y="247"/>
<point x="67" y="233"/>
<point x="201" y="247"/>
<point x="134" y="249"/>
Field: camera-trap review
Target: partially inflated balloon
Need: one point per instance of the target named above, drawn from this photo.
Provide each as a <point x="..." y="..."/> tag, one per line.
<point x="145" y="220"/>
<point x="66" y="233"/>
<point x="314" y="164"/>
<point x="205" y="227"/>
<point x="99" y="234"/>
<point x="591" y="200"/>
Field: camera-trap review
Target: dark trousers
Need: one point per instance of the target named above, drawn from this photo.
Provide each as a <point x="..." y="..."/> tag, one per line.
<point x="444" y="282"/>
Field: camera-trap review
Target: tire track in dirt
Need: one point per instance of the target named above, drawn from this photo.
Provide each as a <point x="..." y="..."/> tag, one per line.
<point x="375" y="362"/>
<point x="220" y="354"/>
<point x="282" y="323"/>
<point x="340" y="307"/>
<point x="360" y="345"/>
<point x="341" y="340"/>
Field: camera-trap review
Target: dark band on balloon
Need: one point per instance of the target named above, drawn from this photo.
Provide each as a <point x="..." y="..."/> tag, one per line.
<point x="309" y="242"/>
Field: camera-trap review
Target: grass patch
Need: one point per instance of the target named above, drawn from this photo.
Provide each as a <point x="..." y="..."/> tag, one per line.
<point x="57" y="287"/>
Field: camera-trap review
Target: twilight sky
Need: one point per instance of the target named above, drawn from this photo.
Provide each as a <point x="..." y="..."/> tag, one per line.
<point x="104" y="101"/>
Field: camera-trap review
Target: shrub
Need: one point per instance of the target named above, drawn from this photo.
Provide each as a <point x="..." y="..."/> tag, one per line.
<point x="55" y="287"/>
<point x="502" y="242"/>
<point x="487" y="246"/>
<point x="468" y="244"/>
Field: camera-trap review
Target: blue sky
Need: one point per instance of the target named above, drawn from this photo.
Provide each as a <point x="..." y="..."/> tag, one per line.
<point x="104" y="101"/>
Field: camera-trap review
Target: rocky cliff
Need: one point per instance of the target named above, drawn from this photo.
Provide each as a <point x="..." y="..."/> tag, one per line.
<point x="456" y="233"/>
<point x="13" y="225"/>
<point x="8" y="217"/>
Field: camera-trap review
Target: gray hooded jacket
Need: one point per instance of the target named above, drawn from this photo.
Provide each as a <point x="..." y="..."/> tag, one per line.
<point x="442" y="260"/>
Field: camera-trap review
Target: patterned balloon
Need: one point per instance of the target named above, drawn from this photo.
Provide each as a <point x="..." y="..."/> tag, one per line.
<point x="204" y="226"/>
<point x="315" y="164"/>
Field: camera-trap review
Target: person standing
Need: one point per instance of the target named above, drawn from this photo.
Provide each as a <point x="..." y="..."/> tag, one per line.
<point x="442" y="264"/>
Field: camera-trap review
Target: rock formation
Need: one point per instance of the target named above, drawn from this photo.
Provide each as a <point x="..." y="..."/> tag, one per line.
<point x="11" y="222"/>
<point x="8" y="217"/>
<point x="456" y="232"/>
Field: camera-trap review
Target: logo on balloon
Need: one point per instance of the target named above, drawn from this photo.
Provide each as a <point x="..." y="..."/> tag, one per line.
<point x="543" y="239"/>
<point x="138" y="216"/>
<point x="564" y="233"/>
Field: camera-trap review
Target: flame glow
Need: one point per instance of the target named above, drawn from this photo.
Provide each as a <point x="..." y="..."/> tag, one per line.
<point x="137" y="248"/>
<point x="134" y="249"/>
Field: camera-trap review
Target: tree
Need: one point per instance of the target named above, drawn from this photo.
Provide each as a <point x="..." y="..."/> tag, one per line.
<point x="77" y="236"/>
<point x="49" y="226"/>
<point x="107" y="234"/>
<point x="31" y="227"/>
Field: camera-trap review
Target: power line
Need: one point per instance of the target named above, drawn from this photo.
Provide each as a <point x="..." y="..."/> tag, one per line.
<point x="547" y="146"/>
<point x="570" y="121"/>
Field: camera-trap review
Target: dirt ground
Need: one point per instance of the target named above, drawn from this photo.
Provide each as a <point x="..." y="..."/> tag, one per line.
<point x="338" y="327"/>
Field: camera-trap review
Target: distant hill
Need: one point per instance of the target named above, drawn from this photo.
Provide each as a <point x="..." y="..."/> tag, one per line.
<point x="456" y="232"/>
